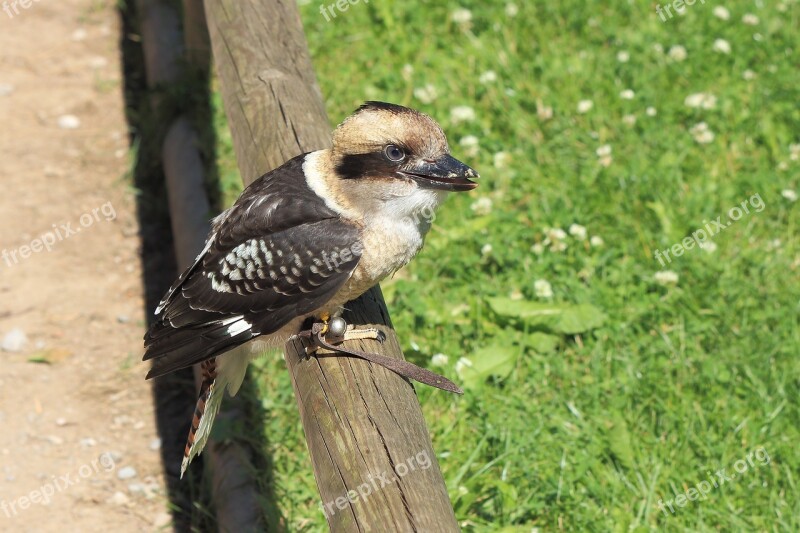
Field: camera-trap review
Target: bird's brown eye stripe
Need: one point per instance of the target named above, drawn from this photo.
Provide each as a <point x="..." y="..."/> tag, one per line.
<point x="355" y="166"/>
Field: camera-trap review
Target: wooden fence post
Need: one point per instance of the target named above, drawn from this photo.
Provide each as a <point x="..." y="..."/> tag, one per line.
<point x="372" y="456"/>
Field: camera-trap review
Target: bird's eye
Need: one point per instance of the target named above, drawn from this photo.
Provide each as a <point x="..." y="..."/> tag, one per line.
<point x="394" y="153"/>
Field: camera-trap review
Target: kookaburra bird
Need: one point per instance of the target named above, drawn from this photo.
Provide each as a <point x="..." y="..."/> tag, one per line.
<point x="300" y="242"/>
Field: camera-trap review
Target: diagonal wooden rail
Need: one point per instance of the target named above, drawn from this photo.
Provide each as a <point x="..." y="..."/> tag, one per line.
<point x="370" y="448"/>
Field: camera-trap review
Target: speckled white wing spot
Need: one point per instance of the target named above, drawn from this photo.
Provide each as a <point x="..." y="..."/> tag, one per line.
<point x="219" y="286"/>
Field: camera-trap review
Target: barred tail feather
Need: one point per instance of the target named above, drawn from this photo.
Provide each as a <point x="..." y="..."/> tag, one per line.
<point x="219" y="374"/>
<point x="204" y="412"/>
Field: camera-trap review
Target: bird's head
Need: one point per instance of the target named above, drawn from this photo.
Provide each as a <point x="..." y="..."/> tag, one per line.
<point x="391" y="146"/>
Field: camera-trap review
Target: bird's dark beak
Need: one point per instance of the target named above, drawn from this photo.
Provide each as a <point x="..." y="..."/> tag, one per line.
<point x="446" y="173"/>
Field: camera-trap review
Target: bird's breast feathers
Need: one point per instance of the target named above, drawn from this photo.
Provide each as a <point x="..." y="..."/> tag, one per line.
<point x="392" y="228"/>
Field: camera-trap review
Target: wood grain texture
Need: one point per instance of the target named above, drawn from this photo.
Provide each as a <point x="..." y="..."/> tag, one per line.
<point x="363" y="423"/>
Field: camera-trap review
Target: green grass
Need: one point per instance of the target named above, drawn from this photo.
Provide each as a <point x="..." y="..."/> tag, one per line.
<point x="588" y="431"/>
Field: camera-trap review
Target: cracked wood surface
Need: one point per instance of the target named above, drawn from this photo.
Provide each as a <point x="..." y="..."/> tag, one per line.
<point x="370" y="449"/>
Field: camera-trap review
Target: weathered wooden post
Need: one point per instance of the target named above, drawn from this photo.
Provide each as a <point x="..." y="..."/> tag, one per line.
<point x="372" y="456"/>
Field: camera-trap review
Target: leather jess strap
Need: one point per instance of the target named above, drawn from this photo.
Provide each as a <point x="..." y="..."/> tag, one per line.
<point x="398" y="366"/>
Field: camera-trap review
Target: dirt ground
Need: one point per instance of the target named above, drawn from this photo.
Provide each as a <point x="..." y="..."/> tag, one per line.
<point x="78" y="446"/>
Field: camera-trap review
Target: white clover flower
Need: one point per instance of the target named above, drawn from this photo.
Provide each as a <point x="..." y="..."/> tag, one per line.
<point x="704" y="100"/>
<point x="462" y="113"/>
<point x="748" y="75"/>
<point x="486" y="249"/>
<point x="555" y="238"/>
<point x="666" y="277"/>
<point x="596" y="241"/>
<point x="750" y="19"/>
<point x="537" y="248"/>
<point x="439" y="359"/>
<point x="694" y="100"/>
<point x="650" y="111"/>
<point x="604" y="155"/>
<point x="488" y="77"/>
<point x="462" y="364"/>
<point x="544" y="112"/>
<point x="501" y="159"/>
<point x="677" y="53"/>
<point x="482" y="206"/>
<point x="722" y="46"/>
<point x="623" y="56"/>
<point x="629" y="120"/>
<point x="468" y="140"/>
<point x="701" y="133"/>
<point x="584" y="106"/>
<point x="578" y="231"/>
<point x="407" y="71"/>
<point x="722" y="13"/>
<point x="555" y="234"/>
<point x="794" y="152"/>
<point x="461" y="16"/>
<point x="542" y="289"/>
<point x="603" y="150"/>
<point x="708" y="246"/>
<point x="789" y="194"/>
<point x="470" y="145"/>
<point x="627" y="94"/>
<point x="426" y="94"/>
<point x="511" y="10"/>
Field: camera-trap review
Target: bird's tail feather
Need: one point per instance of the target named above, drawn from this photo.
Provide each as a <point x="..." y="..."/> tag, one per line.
<point x="219" y="374"/>
<point x="208" y="403"/>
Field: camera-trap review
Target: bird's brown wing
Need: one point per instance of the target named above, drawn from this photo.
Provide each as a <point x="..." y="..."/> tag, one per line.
<point x="274" y="256"/>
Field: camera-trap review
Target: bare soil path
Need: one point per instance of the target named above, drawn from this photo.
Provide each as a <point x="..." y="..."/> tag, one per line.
<point x="78" y="442"/>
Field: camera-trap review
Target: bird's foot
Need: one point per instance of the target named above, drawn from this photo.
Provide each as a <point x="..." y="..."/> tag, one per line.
<point x="325" y="337"/>
<point x="336" y="330"/>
